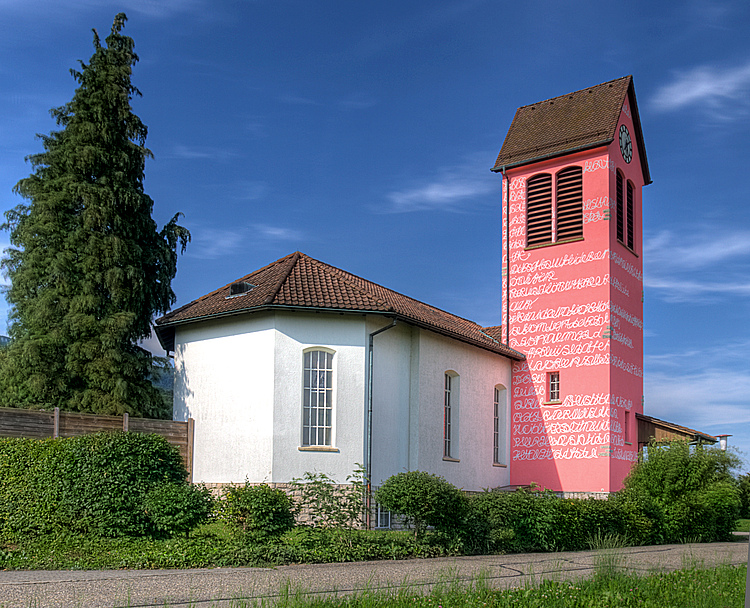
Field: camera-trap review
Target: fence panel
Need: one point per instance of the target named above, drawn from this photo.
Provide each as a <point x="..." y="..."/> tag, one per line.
<point x="38" y="424"/>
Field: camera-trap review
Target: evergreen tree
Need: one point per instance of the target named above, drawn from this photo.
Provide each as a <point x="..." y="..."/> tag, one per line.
<point x="88" y="267"/>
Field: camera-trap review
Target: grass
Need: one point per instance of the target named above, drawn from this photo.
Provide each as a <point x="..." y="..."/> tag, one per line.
<point x="743" y="525"/>
<point x="722" y="587"/>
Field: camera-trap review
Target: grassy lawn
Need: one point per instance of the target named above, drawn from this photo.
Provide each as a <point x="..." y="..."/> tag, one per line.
<point x="743" y="525"/>
<point x="723" y="587"/>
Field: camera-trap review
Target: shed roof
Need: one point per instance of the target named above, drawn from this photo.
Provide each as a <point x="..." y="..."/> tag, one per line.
<point x="580" y="120"/>
<point x="299" y="282"/>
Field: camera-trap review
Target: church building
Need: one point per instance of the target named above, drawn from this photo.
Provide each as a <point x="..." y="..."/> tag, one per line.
<point x="301" y="366"/>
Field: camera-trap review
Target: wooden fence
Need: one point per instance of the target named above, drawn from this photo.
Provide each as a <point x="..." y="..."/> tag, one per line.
<point x="39" y="424"/>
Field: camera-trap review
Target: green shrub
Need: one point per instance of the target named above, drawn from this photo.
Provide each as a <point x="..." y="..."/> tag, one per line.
<point x="684" y="493"/>
<point x="328" y="504"/>
<point x="524" y="521"/>
<point x="743" y="485"/>
<point x="175" y="508"/>
<point x="428" y="500"/>
<point x="260" y="509"/>
<point x="93" y="484"/>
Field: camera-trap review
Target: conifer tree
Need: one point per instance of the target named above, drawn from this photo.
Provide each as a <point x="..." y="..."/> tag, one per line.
<point x="88" y="267"/>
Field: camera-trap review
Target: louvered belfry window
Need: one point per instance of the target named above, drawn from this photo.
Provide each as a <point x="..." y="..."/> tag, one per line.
<point x="630" y="216"/>
<point x="569" y="199"/>
<point x="539" y="210"/>
<point x="620" y="209"/>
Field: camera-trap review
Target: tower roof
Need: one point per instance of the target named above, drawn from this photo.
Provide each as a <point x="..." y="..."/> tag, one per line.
<point x="580" y="120"/>
<point x="299" y="282"/>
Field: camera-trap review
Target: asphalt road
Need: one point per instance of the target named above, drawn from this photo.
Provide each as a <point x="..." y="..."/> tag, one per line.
<point x="223" y="587"/>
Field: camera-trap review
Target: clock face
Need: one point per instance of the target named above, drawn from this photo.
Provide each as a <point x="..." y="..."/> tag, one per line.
<point x="626" y="145"/>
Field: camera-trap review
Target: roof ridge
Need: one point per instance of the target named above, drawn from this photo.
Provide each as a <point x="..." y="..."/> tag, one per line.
<point x="351" y="283"/>
<point x="596" y="86"/>
<point x="294" y="257"/>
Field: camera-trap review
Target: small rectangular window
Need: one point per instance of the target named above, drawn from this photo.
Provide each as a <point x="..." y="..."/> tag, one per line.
<point x="553" y="386"/>
<point x="383" y="517"/>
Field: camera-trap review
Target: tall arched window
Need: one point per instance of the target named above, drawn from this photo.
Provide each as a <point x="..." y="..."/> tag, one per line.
<point x="625" y="211"/>
<point x="450" y="416"/>
<point x="317" y="398"/>
<point x="500" y="419"/>
<point x="551" y="223"/>
<point x="630" y="217"/>
<point x="620" y="207"/>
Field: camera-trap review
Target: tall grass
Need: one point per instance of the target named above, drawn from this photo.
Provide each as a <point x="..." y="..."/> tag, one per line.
<point x="723" y="587"/>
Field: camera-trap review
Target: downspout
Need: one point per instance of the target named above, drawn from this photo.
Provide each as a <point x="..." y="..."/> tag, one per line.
<point x="368" y="464"/>
<point x="506" y="184"/>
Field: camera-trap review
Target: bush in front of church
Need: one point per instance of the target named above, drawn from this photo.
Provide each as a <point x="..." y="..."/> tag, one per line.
<point x="685" y="493"/>
<point x="426" y="499"/>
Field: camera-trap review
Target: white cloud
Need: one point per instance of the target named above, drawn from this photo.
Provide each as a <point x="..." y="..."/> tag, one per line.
<point x="699" y="265"/>
<point x="452" y="191"/>
<point x="358" y="101"/>
<point x="276" y="233"/>
<point x="719" y="91"/>
<point x="195" y="153"/>
<point x="705" y="389"/>
<point x="57" y="9"/>
<point x="212" y="243"/>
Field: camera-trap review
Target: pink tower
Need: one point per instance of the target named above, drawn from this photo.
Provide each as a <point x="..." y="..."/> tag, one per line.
<point x="573" y="169"/>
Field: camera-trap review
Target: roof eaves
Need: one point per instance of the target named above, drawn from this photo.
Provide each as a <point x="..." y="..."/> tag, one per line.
<point x="528" y="161"/>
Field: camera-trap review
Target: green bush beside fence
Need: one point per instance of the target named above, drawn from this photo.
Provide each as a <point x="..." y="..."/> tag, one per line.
<point x="93" y="484"/>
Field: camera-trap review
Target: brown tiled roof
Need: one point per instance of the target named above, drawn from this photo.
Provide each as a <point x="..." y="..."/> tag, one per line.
<point x="580" y="120"/>
<point x="298" y="281"/>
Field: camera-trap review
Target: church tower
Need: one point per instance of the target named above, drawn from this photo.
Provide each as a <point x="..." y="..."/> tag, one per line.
<point x="573" y="168"/>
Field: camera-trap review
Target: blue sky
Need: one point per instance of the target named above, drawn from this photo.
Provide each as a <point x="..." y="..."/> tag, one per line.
<point x="362" y="134"/>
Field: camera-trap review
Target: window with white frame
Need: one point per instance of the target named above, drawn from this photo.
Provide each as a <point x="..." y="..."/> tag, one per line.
<point x="499" y="426"/>
<point x="317" y="398"/>
<point x="553" y="386"/>
<point x="383" y="517"/>
<point x="450" y="416"/>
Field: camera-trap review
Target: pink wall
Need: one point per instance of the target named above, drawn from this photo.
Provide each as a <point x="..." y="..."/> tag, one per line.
<point x="576" y="309"/>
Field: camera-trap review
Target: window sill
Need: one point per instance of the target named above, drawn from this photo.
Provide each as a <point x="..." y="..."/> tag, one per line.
<point x="317" y="448"/>
<point x="449" y="459"/>
<point x="556" y="402"/>
<point x="563" y="242"/>
<point x="497" y="464"/>
<point x="628" y="248"/>
<point x="628" y="443"/>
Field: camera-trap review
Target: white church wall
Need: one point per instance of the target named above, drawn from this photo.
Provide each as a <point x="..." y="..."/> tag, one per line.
<point x="391" y="398"/>
<point x="224" y="380"/>
<point x="478" y="372"/>
<point x="345" y="336"/>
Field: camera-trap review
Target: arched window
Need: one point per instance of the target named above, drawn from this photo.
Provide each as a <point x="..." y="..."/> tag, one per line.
<point x="450" y="416"/>
<point x="625" y="211"/>
<point x="620" y="208"/>
<point x="551" y="223"/>
<point x="569" y="204"/>
<point x="500" y="418"/>
<point x="630" y="217"/>
<point x="539" y="210"/>
<point x="317" y="398"/>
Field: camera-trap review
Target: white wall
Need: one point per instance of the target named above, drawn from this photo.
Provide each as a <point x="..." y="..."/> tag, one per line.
<point x="345" y="335"/>
<point x="409" y="380"/>
<point x="224" y="380"/>
<point x="241" y="380"/>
